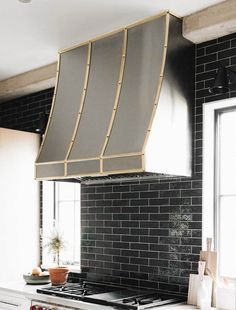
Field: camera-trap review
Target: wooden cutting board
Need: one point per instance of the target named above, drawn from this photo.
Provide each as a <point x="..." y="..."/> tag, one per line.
<point x="194" y="282"/>
<point x="210" y="257"/>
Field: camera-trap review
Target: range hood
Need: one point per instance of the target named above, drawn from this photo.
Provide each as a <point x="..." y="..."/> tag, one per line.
<point x="122" y="105"/>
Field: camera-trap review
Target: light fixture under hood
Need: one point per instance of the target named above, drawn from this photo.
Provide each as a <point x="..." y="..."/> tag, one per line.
<point x="122" y="104"/>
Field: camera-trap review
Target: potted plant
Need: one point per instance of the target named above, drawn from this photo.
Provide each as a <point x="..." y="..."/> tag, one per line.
<point x="58" y="274"/>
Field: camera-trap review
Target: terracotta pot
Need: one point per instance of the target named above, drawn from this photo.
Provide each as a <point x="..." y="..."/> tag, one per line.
<point x="58" y="275"/>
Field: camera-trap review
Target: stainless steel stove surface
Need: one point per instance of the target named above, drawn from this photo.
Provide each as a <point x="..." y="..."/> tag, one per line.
<point x="119" y="297"/>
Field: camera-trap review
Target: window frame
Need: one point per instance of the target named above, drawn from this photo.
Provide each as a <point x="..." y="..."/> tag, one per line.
<point x="210" y="193"/>
<point x="54" y="213"/>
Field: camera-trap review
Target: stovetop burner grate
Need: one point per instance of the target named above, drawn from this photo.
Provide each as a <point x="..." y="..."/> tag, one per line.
<point x="102" y="294"/>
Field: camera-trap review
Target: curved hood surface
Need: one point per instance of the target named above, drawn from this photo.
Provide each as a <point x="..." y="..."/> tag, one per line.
<point x="122" y="104"/>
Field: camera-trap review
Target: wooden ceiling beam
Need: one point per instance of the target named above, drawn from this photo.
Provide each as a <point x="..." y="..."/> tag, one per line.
<point x="28" y="82"/>
<point x="211" y="23"/>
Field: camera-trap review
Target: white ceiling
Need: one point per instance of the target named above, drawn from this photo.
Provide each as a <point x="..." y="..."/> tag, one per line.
<point x="31" y="34"/>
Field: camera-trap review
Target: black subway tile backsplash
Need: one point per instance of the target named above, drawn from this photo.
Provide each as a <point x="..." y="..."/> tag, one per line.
<point x="227" y="53"/>
<point x="217" y="47"/>
<point x="205" y="59"/>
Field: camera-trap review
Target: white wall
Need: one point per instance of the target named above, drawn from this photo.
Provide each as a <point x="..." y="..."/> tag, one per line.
<point x="19" y="204"/>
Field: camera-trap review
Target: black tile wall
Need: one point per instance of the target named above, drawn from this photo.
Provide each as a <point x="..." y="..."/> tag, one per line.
<point x="145" y="233"/>
<point x="142" y="233"/>
<point x="23" y="113"/>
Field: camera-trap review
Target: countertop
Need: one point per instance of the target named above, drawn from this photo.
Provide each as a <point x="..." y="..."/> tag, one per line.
<point x="29" y="292"/>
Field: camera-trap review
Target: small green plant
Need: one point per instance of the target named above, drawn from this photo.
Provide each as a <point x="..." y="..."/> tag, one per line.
<point x="55" y="244"/>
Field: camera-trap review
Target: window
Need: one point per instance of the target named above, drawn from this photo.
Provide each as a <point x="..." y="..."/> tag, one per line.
<point x="219" y="181"/>
<point x="61" y="211"/>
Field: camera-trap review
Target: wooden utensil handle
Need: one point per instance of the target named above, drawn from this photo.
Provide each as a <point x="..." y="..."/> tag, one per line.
<point x="209" y="244"/>
<point x="201" y="269"/>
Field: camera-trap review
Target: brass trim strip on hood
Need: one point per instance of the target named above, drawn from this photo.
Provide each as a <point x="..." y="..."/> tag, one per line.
<point x="159" y="82"/>
<point x="82" y="159"/>
<point x="86" y="78"/>
<point x="143" y="161"/>
<point x="122" y="155"/>
<point x="89" y="158"/>
<point x="50" y="162"/>
<point x="117" y="97"/>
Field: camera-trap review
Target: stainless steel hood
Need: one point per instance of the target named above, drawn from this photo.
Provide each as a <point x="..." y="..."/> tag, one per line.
<point x="122" y="104"/>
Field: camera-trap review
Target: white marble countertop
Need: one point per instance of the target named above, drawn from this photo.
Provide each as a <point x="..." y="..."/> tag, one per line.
<point x="19" y="287"/>
<point x="29" y="292"/>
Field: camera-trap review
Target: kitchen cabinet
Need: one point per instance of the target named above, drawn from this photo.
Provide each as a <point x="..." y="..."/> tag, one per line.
<point x="13" y="302"/>
<point x="19" y="204"/>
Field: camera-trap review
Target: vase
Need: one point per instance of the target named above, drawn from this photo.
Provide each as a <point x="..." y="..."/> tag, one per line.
<point x="58" y="274"/>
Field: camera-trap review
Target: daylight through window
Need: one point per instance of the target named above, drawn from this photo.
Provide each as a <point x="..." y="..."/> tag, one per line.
<point x="219" y="181"/>
<point x="61" y="211"/>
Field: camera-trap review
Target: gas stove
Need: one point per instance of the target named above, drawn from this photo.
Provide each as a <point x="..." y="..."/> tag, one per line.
<point x="108" y="295"/>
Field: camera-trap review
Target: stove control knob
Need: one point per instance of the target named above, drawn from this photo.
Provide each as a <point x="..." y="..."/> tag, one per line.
<point x="35" y="307"/>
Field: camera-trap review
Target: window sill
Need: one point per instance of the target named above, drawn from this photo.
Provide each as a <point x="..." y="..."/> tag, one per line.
<point x="74" y="268"/>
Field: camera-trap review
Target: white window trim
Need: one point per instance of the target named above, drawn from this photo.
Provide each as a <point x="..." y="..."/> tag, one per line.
<point x="209" y="161"/>
<point x="44" y="232"/>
